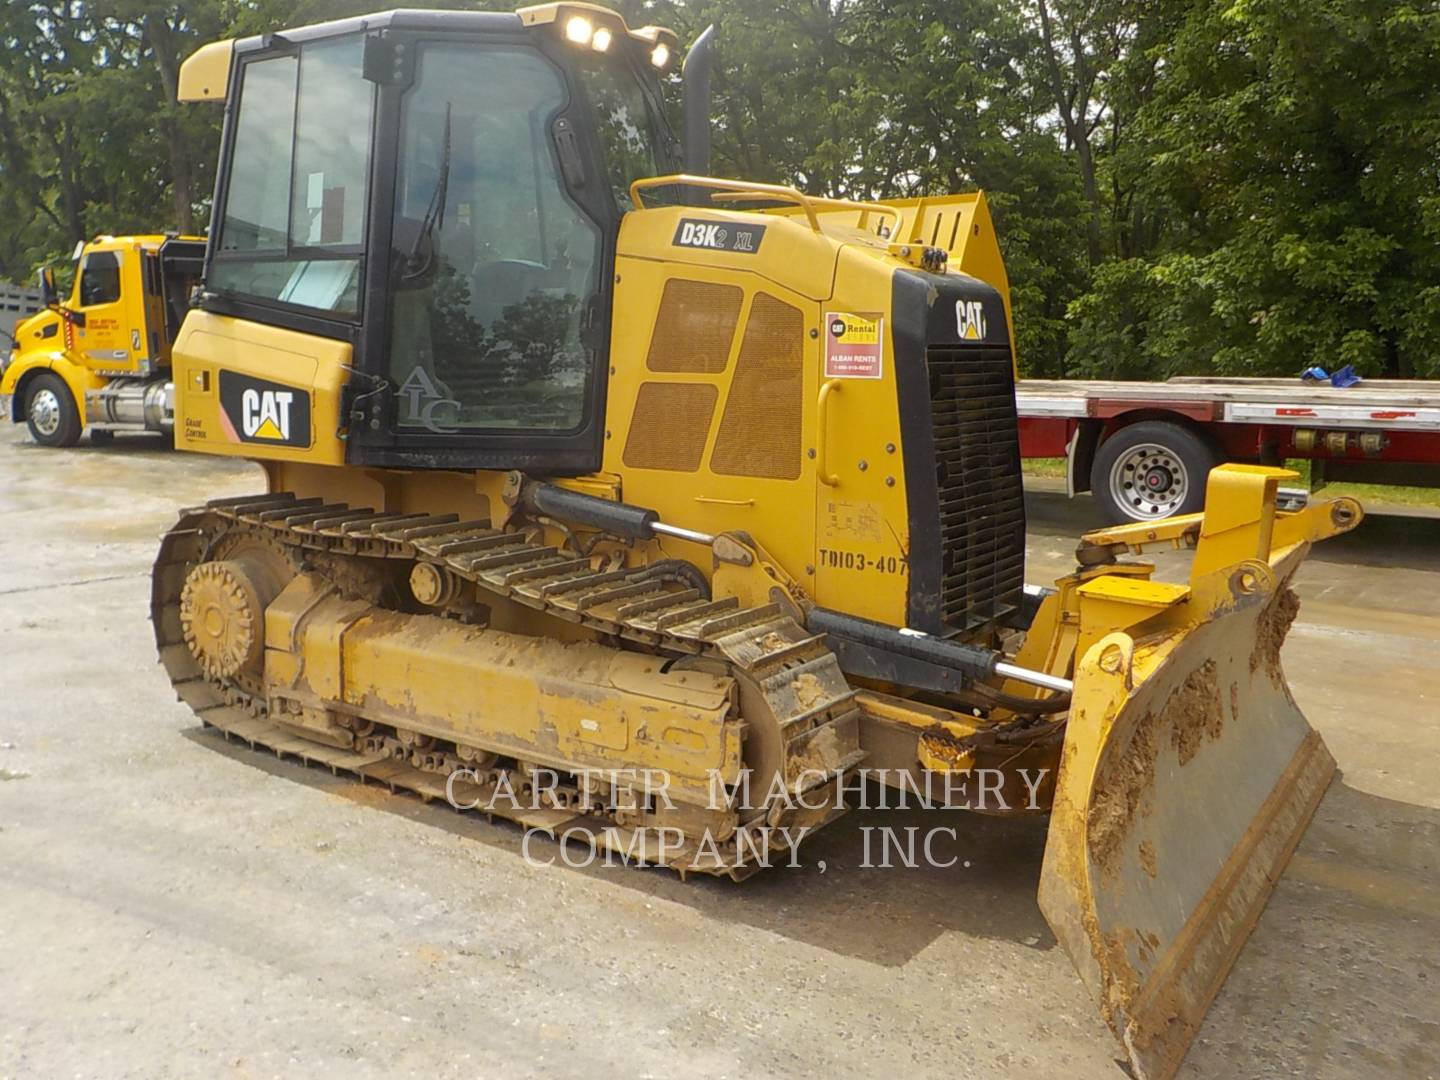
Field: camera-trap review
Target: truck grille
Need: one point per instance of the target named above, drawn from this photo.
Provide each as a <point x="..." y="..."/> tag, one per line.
<point x="977" y="470"/>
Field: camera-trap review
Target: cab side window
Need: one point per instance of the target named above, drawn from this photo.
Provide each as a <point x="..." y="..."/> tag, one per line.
<point x="100" y="279"/>
<point x="293" y="225"/>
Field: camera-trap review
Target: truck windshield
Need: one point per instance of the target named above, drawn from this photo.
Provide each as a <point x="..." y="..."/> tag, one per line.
<point x="631" y="120"/>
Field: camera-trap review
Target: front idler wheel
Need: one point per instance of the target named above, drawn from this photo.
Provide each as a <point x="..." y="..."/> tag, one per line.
<point x="222" y="616"/>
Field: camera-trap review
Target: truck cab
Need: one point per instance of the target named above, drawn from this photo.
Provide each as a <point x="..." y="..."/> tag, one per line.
<point x="99" y="359"/>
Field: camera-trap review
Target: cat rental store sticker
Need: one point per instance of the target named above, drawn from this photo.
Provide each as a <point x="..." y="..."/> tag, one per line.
<point x="854" y="345"/>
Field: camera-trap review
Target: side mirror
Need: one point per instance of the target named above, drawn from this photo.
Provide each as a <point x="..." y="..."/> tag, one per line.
<point x="48" y="296"/>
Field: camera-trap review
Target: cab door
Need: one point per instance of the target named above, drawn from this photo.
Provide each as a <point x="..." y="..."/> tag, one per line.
<point x="98" y="332"/>
<point x="497" y="277"/>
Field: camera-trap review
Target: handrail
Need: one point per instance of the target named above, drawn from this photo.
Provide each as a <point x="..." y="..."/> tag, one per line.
<point x="865" y="208"/>
<point x="824" y="202"/>
<point x="741" y="190"/>
<point x="779" y="191"/>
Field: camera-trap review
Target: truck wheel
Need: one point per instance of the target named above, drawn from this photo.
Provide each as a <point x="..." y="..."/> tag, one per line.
<point x="50" y="411"/>
<point x="1152" y="470"/>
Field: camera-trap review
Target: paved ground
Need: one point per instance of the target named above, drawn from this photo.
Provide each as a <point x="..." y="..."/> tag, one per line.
<point x="172" y="906"/>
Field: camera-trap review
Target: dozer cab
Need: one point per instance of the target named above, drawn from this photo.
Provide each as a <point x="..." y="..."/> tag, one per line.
<point x="667" y="504"/>
<point x="98" y="360"/>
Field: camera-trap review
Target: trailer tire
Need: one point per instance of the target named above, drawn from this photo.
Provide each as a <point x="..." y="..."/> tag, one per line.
<point x="50" y="411"/>
<point x="1151" y="470"/>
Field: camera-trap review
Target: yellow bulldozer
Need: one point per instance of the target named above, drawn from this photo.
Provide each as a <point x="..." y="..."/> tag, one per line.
<point x="668" y="505"/>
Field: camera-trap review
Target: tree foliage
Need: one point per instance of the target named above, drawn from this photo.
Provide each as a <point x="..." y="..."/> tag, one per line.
<point x="1241" y="186"/>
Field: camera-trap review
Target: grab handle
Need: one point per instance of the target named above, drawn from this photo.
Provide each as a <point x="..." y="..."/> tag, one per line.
<point x="822" y="441"/>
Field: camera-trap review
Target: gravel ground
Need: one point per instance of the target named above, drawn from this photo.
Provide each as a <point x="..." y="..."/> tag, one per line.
<point x="174" y="906"/>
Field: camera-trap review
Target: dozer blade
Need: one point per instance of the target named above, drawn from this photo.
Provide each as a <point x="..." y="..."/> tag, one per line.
<point x="1187" y="778"/>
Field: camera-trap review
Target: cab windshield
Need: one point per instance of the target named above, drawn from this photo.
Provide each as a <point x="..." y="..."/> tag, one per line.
<point x="630" y="119"/>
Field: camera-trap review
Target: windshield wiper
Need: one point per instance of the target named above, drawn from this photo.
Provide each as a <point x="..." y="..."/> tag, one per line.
<point x="434" y="218"/>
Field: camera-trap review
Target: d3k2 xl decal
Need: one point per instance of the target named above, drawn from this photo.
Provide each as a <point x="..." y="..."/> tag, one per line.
<point x="736" y="236"/>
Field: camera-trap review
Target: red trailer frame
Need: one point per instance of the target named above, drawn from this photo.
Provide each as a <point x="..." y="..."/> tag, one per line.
<point x="1377" y="432"/>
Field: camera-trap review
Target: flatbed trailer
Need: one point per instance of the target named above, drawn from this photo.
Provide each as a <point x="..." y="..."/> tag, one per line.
<point x="1144" y="448"/>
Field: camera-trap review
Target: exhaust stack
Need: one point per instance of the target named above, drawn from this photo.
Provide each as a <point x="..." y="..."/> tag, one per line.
<point x="695" y="75"/>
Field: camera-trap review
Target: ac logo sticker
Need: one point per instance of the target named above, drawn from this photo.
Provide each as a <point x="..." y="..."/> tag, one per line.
<point x="970" y="320"/>
<point x="260" y="411"/>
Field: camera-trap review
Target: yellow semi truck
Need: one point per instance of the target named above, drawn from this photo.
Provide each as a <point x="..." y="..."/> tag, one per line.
<point x="99" y="360"/>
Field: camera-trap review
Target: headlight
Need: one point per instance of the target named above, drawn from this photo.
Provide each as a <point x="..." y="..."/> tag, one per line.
<point x="579" y="29"/>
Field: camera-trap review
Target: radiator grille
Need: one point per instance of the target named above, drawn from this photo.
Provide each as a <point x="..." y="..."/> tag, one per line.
<point x="977" y="470"/>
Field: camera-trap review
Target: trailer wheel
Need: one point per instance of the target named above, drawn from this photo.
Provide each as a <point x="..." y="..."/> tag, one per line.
<point x="50" y="411"/>
<point x="1152" y="470"/>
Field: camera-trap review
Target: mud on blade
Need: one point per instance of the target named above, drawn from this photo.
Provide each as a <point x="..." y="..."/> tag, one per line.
<point x="1187" y="779"/>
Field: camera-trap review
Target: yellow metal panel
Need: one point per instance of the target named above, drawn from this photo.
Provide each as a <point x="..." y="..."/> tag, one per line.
<point x="1146" y="594"/>
<point x="850" y="551"/>
<point x="205" y="74"/>
<point x="792" y="256"/>
<point x="862" y="524"/>
<point x="566" y="705"/>
<point x="313" y="366"/>
<point x="1112" y="602"/>
<point x="702" y="499"/>
<point x="961" y="225"/>
<point x="34" y="349"/>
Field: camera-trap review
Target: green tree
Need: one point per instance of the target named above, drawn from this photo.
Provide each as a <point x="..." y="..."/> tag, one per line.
<point x="91" y="139"/>
<point x="1243" y="186"/>
<point x="1291" y="149"/>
